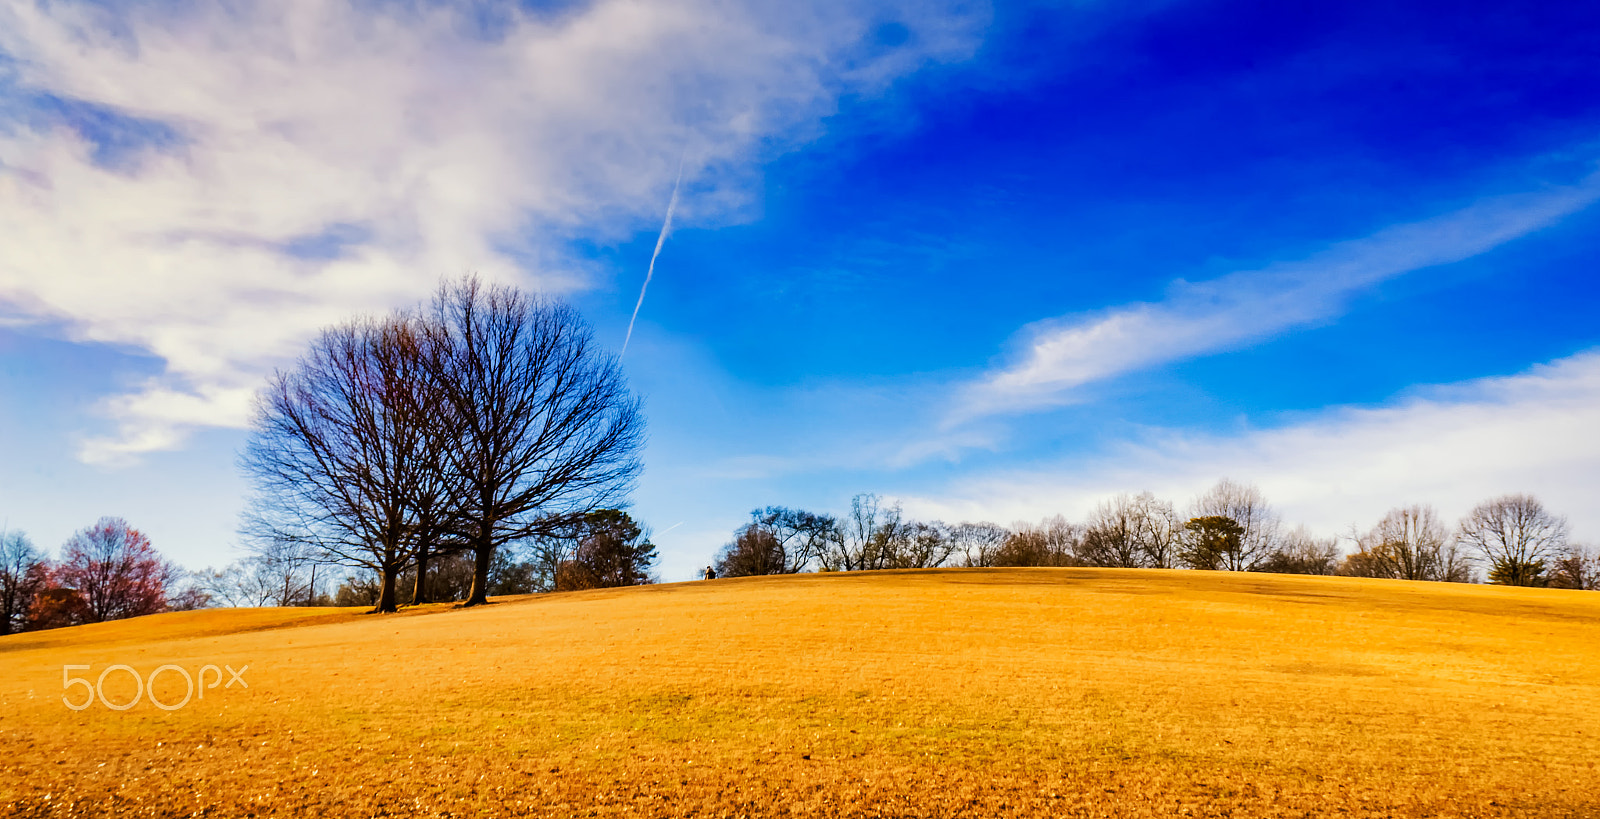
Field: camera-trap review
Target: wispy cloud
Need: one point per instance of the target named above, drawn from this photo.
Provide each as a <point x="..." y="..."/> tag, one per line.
<point x="212" y="182"/>
<point x="1451" y="446"/>
<point x="1197" y="318"/>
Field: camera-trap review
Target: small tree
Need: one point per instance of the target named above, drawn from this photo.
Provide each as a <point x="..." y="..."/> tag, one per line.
<point x="1209" y="540"/>
<point x="1247" y="508"/>
<point x="611" y="551"/>
<point x="23" y="573"/>
<point x="115" y="571"/>
<point x="1516" y="537"/>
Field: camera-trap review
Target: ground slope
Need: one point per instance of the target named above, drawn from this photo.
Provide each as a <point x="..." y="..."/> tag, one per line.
<point x="1060" y="692"/>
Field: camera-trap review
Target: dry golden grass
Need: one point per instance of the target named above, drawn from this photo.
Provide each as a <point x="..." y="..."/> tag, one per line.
<point x="1043" y="692"/>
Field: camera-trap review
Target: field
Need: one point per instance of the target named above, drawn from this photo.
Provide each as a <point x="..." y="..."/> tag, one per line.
<point x="1020" y="692"/>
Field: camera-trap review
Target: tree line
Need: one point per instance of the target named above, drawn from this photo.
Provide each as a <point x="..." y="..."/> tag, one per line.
<point x="1513" y="539"/>
<point x="108" y="571"/>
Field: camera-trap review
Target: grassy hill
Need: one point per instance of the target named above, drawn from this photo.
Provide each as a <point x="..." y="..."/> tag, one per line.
<point x="1049" y="692"/>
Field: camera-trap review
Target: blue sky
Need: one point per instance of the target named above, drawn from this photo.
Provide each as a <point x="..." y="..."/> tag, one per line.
<point x="996" y="262"/>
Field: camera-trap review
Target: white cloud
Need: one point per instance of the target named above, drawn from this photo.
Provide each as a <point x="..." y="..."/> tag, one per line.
<point x="1450" y="446"/>
<point x="421" y="147"/>
<point x="1198" y="318"/>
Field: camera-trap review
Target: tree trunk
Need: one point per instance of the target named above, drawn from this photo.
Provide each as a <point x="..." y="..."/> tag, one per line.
<point x="482" y="554"/>
<point x="386" y="597"/>
<point x="419" y="594"/>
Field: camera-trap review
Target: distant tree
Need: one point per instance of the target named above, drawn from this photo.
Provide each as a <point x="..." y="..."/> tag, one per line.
<point x="1112" y="536"/>
<point x="360" y="589"/>
<point x="189" y="595"/>
<point x="755" y="550"/>
<point x="921" y="545"/>
<point x="115" y="571"/>
<point x="863" y="534"/>
<point x="1299" y="552"/>
<point x="55" y="606"/>
<point x="1577" y="568"/>
<point x="23" y="572"/>
<point x="777" y="540"/>
<point x="543" y="429"/>
<point x="237" y="585"/>
<point x="978" y="543"/>
<point x="874" y="536"/>
<point x="1131" y="532"/>
<point x="1516" y="537"/>
<point x="1247" y="508"/>
<point x="1055" y="541"/>
<point x="284" y="569"/>
<point x="612" y="550"/>
<point x="1409" y="543"/>
<point x="1209" y="540"/>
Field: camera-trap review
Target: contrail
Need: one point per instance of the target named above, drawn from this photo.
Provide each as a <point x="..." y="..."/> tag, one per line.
<point x="666" y="227"/>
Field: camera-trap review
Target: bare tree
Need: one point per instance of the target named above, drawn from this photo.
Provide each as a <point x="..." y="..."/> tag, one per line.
<point x="863" y="534"/>
<point x="115" y="571"/>
<point x="1054" y="541"/>
<point x="346" y="451"/>
<point x="921" y="545"/>
<point x="978" y="543"/>
<point x="1247" y="507"/>
<point x="875" y="536"/>
<point x="777" y="540"/>
<point x="1131" y="531"/>
<point x="1515" y="536"/>
<point x="544" y="428"/>
<point x="1409" y="543"/>
<point x="1577" y="568"/>
<point x="612" y="550"/>
<point x="1112" y="536"/>
<point x="754" y="551"/>
<point x="1300" y="552"/>
<point x="22" y="575"/>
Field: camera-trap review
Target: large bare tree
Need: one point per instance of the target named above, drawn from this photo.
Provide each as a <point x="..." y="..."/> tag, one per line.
<point x="1516" y="536"/>
<point x="543" y="427"/>
<point x="347" y="452"/>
